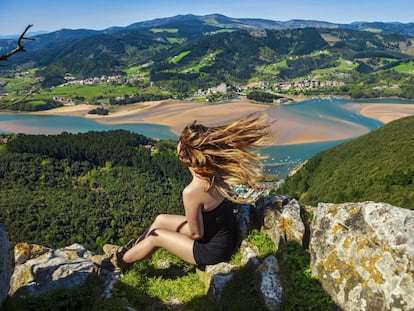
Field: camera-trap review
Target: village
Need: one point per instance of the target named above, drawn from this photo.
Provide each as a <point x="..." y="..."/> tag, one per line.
<point x="219" y="92"/>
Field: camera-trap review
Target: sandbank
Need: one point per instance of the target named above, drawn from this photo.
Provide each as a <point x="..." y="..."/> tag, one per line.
<point x="387" y="112"/>
<point x="177" y="114"/>
<point x="288" y="128"/>
<point x="295" y="129"/>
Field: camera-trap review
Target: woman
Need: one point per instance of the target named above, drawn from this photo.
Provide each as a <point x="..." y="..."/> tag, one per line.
<point x="218" y="157"/>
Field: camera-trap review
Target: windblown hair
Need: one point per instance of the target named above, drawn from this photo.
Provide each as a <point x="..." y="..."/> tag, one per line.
<point x="226" y="155"/>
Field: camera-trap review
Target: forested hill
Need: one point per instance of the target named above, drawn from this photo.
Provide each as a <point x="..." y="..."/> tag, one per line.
<point x="278" y="55"/>
<point x="91" y="188"/>
<point x="377" y="167"/>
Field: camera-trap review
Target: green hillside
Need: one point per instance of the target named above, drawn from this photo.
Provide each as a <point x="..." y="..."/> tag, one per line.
<point x="176" y="57"/>
<point x="236" y="54"/>
<point x="378" y="167"/>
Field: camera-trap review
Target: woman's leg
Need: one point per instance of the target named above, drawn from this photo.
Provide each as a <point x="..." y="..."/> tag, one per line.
<point x="168" y="232"/>
<point x="177" y="243"/>
<point x="177" y="223"/>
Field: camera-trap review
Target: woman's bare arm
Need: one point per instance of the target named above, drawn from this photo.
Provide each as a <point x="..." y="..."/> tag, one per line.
<point x="193" y="206"/>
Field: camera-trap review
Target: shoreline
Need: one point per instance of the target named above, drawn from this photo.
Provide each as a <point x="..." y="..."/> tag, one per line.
<point x="177" y="114"/>
<point x="289" y="128"/>
<point x="387" y="112"/>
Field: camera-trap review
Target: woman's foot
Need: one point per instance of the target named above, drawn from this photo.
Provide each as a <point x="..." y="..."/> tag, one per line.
<point x="112" y="258"/>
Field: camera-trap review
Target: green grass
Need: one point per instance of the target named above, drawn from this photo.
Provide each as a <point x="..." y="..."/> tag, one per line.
<point x="91" y="91"/>
<point x="36" y="102"/>
<point x="172" y="40"/>
<point x="180" y="283"/>
<point x="342" y="66"/>
<point x="374" y="30"/>
<point x="169" y="30"/>
<point x="301" y="291"/>
<point x="177" y="58"/>
<point x="241" y="292"/>
<point x="21" y="84"/>
<point x="18" y="84"/>
<point x="132" y="70"/>
<point x="224" y="30"/>
<point x="212" y="22"/>
<point x="405" y="68"/>
<point x="141" y="71"/>
<point x="320" y="52"/>
<point x="89" y="94"/>
<point x="206" y="60"/>
<point x="263" y="243"/>
<point x="271" y="69"/>
<point x="149" y="286"/>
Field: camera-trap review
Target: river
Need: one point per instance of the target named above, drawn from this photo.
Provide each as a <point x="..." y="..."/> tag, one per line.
<point x="332" y="112"/>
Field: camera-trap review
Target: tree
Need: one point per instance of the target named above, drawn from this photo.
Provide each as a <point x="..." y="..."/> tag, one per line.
<point x="19" y="47"/>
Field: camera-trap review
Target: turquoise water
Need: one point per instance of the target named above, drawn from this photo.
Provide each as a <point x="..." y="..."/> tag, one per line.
<point x="47" y="124"/>
<point x="281" y="158"/>
<point x="327" y="110"/>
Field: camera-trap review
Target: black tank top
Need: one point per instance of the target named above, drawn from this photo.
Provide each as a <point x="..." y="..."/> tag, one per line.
<point x="219" y="223"/>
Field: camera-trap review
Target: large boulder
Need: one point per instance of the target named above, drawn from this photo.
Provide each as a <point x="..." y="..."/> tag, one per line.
<point x="283" y="221"/>
<point x="40" y="269"/>
<point x="4" y="265"/>
<point x="363" y="254"/>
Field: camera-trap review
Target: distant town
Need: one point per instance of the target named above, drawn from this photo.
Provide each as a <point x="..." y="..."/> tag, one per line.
<point x="223" y="88"/>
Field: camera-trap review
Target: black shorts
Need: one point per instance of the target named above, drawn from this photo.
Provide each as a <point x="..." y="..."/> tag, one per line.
<point x="205" y="254"/>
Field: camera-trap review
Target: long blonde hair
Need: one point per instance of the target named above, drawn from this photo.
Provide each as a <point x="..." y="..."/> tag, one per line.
<point x="226" y="155"/>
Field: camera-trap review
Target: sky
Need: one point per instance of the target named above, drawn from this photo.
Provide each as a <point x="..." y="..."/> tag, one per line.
<point x="51" y="15"/>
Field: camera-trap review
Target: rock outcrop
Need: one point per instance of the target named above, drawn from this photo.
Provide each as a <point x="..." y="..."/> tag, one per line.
<point x="268" y="274"/>
<point x="282" y="221"/>
<point x="215" y="277"/>
<point x="363" y="254"/>
<point x="4" y="265"/>
<point x="40" y="269"/>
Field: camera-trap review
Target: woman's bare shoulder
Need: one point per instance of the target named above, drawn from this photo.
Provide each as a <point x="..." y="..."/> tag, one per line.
<point x="194" y="188"/>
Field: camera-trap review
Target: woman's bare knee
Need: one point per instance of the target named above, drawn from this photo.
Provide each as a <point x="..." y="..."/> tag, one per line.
<point x="174" y="242"/>
<point x="169" y="222"/>
<point x="160" y="220"/>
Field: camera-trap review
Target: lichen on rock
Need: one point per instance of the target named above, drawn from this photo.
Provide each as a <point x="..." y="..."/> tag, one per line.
<point x="363" y="255"/>
<point x="39" y="269"/>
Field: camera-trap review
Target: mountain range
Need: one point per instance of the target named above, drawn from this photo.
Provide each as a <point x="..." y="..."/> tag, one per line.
<point x="201" y="51"/>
